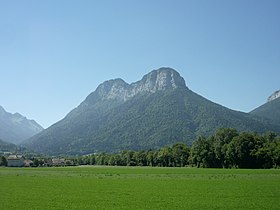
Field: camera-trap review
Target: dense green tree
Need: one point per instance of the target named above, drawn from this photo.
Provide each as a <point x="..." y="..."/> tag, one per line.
<point x="228" y="148"/>
<point x="36" y="162"/>
<point x="151" y="158"/>
<point x="271" y="150"/>
<point x="3" y="161"/>
<point x="102" y="159"/>
<point x="243" y="150"/>
<point x="141" y="158"/>
<point x="164" y="157"/>
<point x="220" y="145"/>
<point x="202" y="153"/>
<point x="180" y="153"/>
<point x="275" y="154"/>
<point x="128" y="158"/>
<point x="92" y="159"/>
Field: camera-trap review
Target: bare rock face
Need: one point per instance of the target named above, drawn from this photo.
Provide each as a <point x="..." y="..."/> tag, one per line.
<point x="112" y="89"/>
<point x="275" y="95"/>
<point x="157" y="80"/>
<point x="161" y="79"/>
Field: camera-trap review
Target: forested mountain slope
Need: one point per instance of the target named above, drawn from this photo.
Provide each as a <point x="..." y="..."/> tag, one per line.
<point x="271" y="109"/>
<point x="155" y="111"/>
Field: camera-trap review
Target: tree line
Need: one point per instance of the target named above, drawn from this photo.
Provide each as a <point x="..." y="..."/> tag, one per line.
<point x="227" y="148"/>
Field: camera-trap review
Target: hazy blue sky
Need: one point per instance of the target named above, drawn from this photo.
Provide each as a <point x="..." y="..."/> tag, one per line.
<point x="54" y="53"/>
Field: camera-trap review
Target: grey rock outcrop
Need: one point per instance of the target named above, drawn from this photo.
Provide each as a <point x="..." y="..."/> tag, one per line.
<point x="161" y="79"/>
<point x="274" y="96"/>
<point x="118" y="89"/>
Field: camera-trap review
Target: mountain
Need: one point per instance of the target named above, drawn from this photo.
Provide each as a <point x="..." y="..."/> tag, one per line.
<point x="15" y="128"/>
<point x="271" y="109"/>
<point x="6" y="146"/>
<point x="157" y="110"/>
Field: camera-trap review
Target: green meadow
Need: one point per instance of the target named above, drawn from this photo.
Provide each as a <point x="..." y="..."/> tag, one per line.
<point x="138" y="188"/>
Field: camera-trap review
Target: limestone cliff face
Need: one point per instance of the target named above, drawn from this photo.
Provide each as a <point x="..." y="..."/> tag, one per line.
<point x="161" y="79"/>
<point x="112" y="89"/>
<point x="157" y="80"/>
<point x="275" y="95"/>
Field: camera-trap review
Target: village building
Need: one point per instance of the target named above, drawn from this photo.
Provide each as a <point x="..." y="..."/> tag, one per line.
<point x="58" y="161"/>
<point x="28" y="163"/>
<point x="15" y="161"/>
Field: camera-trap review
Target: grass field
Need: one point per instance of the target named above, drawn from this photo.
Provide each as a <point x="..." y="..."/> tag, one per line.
<point x="138" y="188"/>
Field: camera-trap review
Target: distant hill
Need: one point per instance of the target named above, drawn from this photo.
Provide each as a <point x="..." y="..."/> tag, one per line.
<point x="12" y="148"/>
<point x="7" y="147"/>
<point x="158" y="110"/>
<point x="271" y="109"/>
<point x="15" y="128"/>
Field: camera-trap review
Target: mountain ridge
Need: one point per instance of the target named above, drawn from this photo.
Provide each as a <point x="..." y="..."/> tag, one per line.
<point x="155" y="111"/>
<point x="270" y="110"/>
<point x="274" y="96"/>
<point x="16" y="127"/>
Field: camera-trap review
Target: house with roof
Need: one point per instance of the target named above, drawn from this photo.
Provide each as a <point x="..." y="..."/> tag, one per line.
<point x="15" y="161"/>
<point x="28" y="163"/>
<point x="58" y="162"/>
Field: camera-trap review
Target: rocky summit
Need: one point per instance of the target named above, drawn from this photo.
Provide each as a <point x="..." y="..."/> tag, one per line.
<point x="274" y="96"/>
<point x="117" y="89"/>
<point x="155" y="111"/>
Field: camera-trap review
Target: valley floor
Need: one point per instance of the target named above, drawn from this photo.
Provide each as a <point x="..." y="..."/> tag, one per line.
<point x="138" y="188"/>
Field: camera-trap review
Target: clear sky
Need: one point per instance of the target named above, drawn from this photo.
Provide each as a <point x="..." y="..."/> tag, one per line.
<point x="54" y="53"/>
